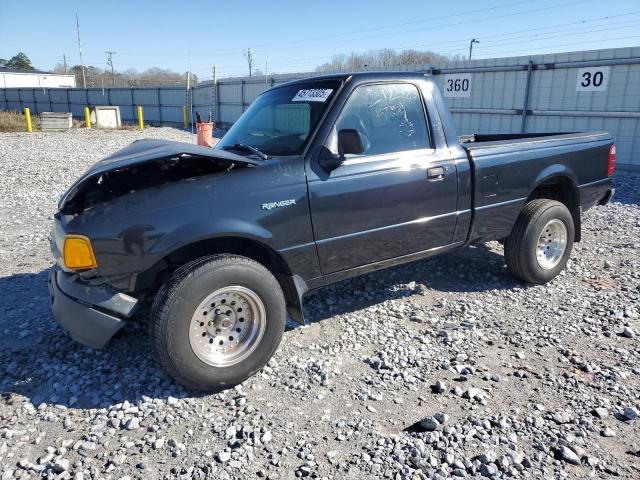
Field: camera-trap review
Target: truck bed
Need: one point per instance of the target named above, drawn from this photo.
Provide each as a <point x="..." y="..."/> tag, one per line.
<point x="505" y="167"/>
<point x="482" y="140"/>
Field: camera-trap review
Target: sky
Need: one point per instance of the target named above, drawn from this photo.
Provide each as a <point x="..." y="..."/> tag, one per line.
<point x="296" y="36"/>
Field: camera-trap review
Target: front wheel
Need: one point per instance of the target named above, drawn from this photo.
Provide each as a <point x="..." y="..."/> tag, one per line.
<point x="217" y="321"/>
<point x="541" y="241"/>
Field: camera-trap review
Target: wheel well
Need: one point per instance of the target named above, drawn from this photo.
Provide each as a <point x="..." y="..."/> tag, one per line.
<point x="563" y="190"/>
<point x="150" y="280"/>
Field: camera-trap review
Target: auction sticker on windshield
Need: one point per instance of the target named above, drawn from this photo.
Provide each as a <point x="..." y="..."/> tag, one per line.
<point x="312" y="95"/>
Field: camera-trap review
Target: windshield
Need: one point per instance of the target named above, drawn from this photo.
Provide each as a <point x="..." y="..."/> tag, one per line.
<point x="280" y="121"/>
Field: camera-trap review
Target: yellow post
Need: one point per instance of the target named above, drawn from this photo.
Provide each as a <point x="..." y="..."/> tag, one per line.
<point x="27" y="116"/>
<point x="87" y="117"/>
<point x="140" y="119"/>
<point x="185" y="116"/>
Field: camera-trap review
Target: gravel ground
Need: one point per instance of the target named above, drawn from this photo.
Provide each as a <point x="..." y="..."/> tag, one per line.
<point x="446" y="367"/>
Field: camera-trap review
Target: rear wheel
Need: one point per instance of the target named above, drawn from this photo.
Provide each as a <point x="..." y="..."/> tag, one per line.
<point x="217" y="321"/>
<point x="541" y="241"/>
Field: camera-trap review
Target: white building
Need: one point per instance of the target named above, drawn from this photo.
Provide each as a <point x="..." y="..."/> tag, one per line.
<point x="10" y="78"/>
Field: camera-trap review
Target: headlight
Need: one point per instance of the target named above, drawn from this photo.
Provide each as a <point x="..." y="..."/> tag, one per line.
<point x="78" y="253"/>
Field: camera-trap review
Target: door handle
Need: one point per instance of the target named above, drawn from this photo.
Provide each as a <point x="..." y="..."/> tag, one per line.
<point x="435" y="173"/>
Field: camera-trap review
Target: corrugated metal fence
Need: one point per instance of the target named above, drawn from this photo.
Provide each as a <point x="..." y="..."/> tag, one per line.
<point x="162" y="105"/>
<point x="576" y="91"/>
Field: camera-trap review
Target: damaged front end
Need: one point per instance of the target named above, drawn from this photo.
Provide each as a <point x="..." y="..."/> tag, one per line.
<point x="115" y="211"/>
<point x="145" y="164"/>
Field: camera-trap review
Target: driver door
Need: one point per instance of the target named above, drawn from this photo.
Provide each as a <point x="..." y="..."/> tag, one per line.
<point x="397" y="197"/>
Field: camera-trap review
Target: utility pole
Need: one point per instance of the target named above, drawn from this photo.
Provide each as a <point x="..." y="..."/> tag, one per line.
<point x="266" y="71"/>
<point x="110" y="63"/>
<point x="249" y="56"/>
<point x="64" y="62"/>
<point x="84" y="78"/>
<point x="471" y="46"/>
<point x="214" y="94"/>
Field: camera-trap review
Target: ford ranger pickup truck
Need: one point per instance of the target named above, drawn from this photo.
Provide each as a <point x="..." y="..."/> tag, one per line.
<point x="318" y="181"/>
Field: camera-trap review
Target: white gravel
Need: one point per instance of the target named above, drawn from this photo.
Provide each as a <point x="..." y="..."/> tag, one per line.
<point x="446" y="367"/>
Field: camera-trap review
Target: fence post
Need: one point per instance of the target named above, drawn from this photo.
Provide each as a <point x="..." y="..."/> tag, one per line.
<point x="216" y="102"/>
<point x="27" y="116"/>
<point x="87" y="117"/>
<point x="35" y="103"/>
<point x="133" y="106"/>
<point x="525" y="105"/>
<point x="242" y="95"/>
<point x="140" y="119"/>
<point x="68" y="101"/>
<point x="159" y="108"/>
<point x="108" y="96"/>
<point x="19" y="100"/>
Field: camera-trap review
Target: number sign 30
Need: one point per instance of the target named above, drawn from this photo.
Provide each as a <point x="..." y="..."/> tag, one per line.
<point x="593" y="79"/>
<point x="457" y="85"/>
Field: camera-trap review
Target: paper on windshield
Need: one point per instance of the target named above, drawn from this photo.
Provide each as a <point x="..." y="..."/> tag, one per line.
<point x="312" y="95"/>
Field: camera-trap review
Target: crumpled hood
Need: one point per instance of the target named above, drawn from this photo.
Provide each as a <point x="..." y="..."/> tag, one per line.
<point x="151" y="150"/>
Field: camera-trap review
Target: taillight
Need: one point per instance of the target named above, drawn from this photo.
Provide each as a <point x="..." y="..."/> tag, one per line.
<point x="612" y="160"/>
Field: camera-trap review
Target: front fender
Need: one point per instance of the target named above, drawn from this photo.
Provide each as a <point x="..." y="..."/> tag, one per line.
<point x="195" y="231"/>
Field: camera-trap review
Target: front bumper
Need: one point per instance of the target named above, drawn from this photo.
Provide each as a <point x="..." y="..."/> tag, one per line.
<point x="91" y="314"/>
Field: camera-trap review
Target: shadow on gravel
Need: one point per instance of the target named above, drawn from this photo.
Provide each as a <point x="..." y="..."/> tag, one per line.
<point x="473" y="269"/>
<point x="39" y="360"/>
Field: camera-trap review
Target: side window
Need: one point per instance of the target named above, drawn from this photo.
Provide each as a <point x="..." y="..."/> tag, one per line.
<point x="389" y="117"/>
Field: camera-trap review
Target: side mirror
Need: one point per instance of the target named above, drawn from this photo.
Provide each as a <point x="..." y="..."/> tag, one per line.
<point x="329" y="160"/>
<point x="346" y="141"/>
<point x="350" y="142"/>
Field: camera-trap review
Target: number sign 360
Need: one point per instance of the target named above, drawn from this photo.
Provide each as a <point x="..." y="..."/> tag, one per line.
<point x="457" y="85"/>
<point x="592" y="79"/>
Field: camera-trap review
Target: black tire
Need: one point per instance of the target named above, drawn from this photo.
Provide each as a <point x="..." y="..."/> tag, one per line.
<point x="520" y="249"/>
<point x="176" y="302"/>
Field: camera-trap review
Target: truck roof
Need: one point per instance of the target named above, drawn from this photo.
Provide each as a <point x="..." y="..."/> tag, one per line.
<point x="361" y="76"/>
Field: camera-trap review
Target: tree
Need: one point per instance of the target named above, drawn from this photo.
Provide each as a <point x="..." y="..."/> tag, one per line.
<point x="100" y="77"/>
<point x="385" y="57"/>
<point x="19" y="62"/>
<point x="3" y="62"/>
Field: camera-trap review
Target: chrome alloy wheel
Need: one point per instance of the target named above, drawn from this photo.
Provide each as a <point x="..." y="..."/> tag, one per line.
<point x="227" y="326"/>
<point x="552" y="244"/>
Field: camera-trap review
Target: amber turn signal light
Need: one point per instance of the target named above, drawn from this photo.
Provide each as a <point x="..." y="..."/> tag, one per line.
<point x="78" y="253"/>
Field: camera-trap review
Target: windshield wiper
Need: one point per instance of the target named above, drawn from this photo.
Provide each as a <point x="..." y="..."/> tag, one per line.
<point x="248" y="148"/>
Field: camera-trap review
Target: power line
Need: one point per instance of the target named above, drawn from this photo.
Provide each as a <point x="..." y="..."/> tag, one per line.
<point x="463" y="43"/>
<point x="460" y="41"/>
<point x="497" y="40"/>
<point x="563" y="45"/>
<point x="382" y="27"/>
<point x="302" y="44"/>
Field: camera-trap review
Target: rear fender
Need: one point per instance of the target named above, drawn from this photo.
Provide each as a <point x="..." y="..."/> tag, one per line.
<point x="563" y="179"/>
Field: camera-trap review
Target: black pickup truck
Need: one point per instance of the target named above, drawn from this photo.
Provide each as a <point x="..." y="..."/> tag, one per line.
<point x="320" y="180"/>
